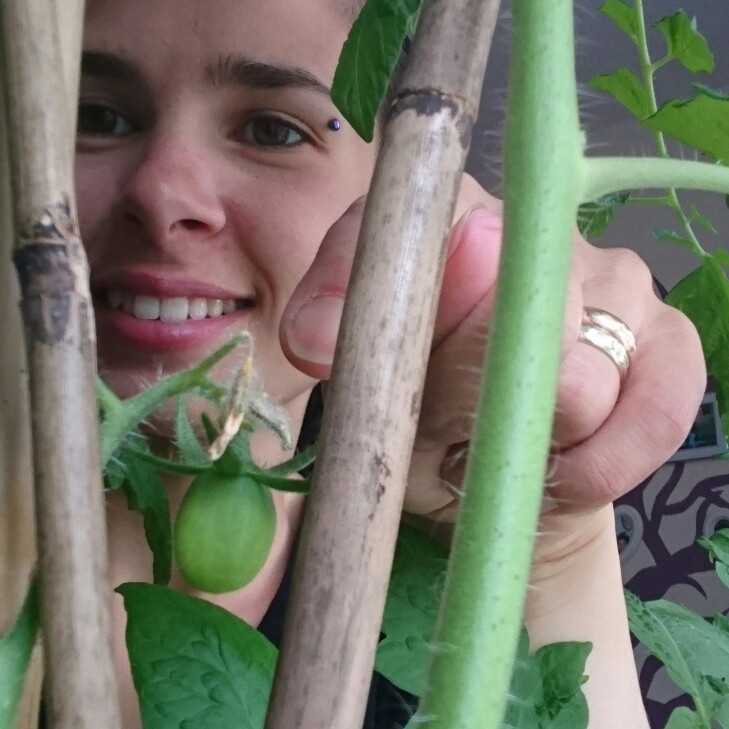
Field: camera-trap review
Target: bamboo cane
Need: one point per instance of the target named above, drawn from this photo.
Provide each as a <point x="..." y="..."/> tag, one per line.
<point x="374" y="396"/>
<point x="60" y="345"/>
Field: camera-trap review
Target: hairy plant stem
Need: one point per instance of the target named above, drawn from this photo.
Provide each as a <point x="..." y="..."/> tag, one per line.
<point x="122" y="416"/>
<point x="479" y="622"/>
<point x="603" y="175"/>
<point x="649" y="69"/>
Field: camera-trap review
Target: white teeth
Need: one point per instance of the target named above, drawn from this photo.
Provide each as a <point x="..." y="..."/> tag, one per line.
<point x="197" y="308"/>
<point x="215" y="307"/>
<point x="173" y="309"/>
<point x="146" y="307"/>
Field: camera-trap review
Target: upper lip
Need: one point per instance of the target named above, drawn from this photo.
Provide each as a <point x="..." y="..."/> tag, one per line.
<point x="163" y="285"/>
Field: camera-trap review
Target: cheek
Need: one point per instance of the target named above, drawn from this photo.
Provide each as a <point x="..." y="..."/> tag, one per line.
<point x="97" y="190"/>
<point x="284" y="231"/>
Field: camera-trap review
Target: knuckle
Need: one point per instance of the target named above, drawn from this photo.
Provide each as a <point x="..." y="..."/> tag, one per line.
<point x="628" y="267"/>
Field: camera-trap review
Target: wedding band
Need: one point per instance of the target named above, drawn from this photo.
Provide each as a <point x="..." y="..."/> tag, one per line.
<point x="612" y="336"/>
<point x="611" y="324"/>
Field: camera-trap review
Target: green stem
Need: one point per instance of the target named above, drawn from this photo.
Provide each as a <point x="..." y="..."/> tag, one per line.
<point x="658" y="65"/>
<point x="481" y="612"/>
<point x="106" y="398"/>
<point x="610" y="174"/>
<point x="649" y="69"/>
<point x="125" y="415"/>
<point x="632" y="200"/>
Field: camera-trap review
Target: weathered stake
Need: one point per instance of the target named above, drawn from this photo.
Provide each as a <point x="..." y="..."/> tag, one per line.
<point x="60" y="344"/>
<point x="374" y="396"/>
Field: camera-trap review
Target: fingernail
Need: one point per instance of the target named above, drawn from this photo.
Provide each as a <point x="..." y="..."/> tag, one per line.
<point x="478" y="217"/>
<point x="314" y="328"/>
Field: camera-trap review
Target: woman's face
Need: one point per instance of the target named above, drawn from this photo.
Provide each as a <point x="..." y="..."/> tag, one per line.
<point x="207" y="175"/>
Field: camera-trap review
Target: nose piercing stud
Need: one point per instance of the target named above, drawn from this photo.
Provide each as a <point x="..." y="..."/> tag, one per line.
<point x="334" y="125"/>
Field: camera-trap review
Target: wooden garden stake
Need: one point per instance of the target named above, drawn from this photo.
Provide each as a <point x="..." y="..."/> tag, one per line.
<point x="60" y="343"/>
<point x="373" y="400"/>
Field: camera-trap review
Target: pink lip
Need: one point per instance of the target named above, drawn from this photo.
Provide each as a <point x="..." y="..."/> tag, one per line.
<point x="163" y="286"/>
<point x="116" y="326"/>
<point x="159" y="336"/>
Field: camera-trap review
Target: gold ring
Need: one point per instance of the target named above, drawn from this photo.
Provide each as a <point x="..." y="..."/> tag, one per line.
<point x="612" y="324"/>
<point x="611" y="335"/>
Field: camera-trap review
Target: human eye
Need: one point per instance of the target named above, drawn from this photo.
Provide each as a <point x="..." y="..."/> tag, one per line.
<point x="269" y="130"/>
<point x="96" y="119"/>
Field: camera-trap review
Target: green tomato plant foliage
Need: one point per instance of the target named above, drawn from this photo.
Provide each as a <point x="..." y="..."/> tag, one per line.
<point x="193" y="663"/>
<point x="15" y="651"/>
<point x="700" y="122"/>
<point x="223" y="531"/>
<point x="694" y="650"/>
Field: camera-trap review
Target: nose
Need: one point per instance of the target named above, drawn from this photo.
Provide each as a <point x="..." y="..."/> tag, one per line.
<point x="173" y="193"/>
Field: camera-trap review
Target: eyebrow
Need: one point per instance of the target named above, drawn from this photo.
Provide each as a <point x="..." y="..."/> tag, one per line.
<point x="229" y="70"/>
<point x="238" y="70"/>
<point x="108" y="66"/>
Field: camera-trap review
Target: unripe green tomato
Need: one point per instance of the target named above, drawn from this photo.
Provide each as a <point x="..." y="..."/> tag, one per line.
<point x="223" y="531"/>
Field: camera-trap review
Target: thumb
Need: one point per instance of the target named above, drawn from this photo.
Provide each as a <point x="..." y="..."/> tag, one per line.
<point x="311" y="321"/>
<point x="471" y="268"/>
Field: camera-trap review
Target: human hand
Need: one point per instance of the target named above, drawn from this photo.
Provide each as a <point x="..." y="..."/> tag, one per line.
<point x="608" y="436"/>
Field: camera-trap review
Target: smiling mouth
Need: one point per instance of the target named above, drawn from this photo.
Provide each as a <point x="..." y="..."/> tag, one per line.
<point x="173" y="309"/>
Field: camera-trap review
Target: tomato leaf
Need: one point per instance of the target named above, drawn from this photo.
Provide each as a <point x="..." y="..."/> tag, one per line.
<point x="545" y="689"/>
<point x="526" y="691"/>
<point x="594" y="217"/>
<point x="194" y="664"/>
<point x="702" y="220"/>
<point x="625" y="88"/>
<point x="703" y="296"/>
<point x="146" y="494"/>
<point x="114" y="474"/>
<point x="16" y="647"/>
<point x="624" y="17"/>
<point x="694" y="651"/>
<point x="562" y="668"/>
<point x="416" y="584"/>
<point x="673" y="237"/>
<point x="717" y="545"/>
<point x="683" y="718"/>
<point x="722" y="623"/>
<point x="369" y="58"/>
<point x="701" y="122"/>
<point x="685" y="43"/>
